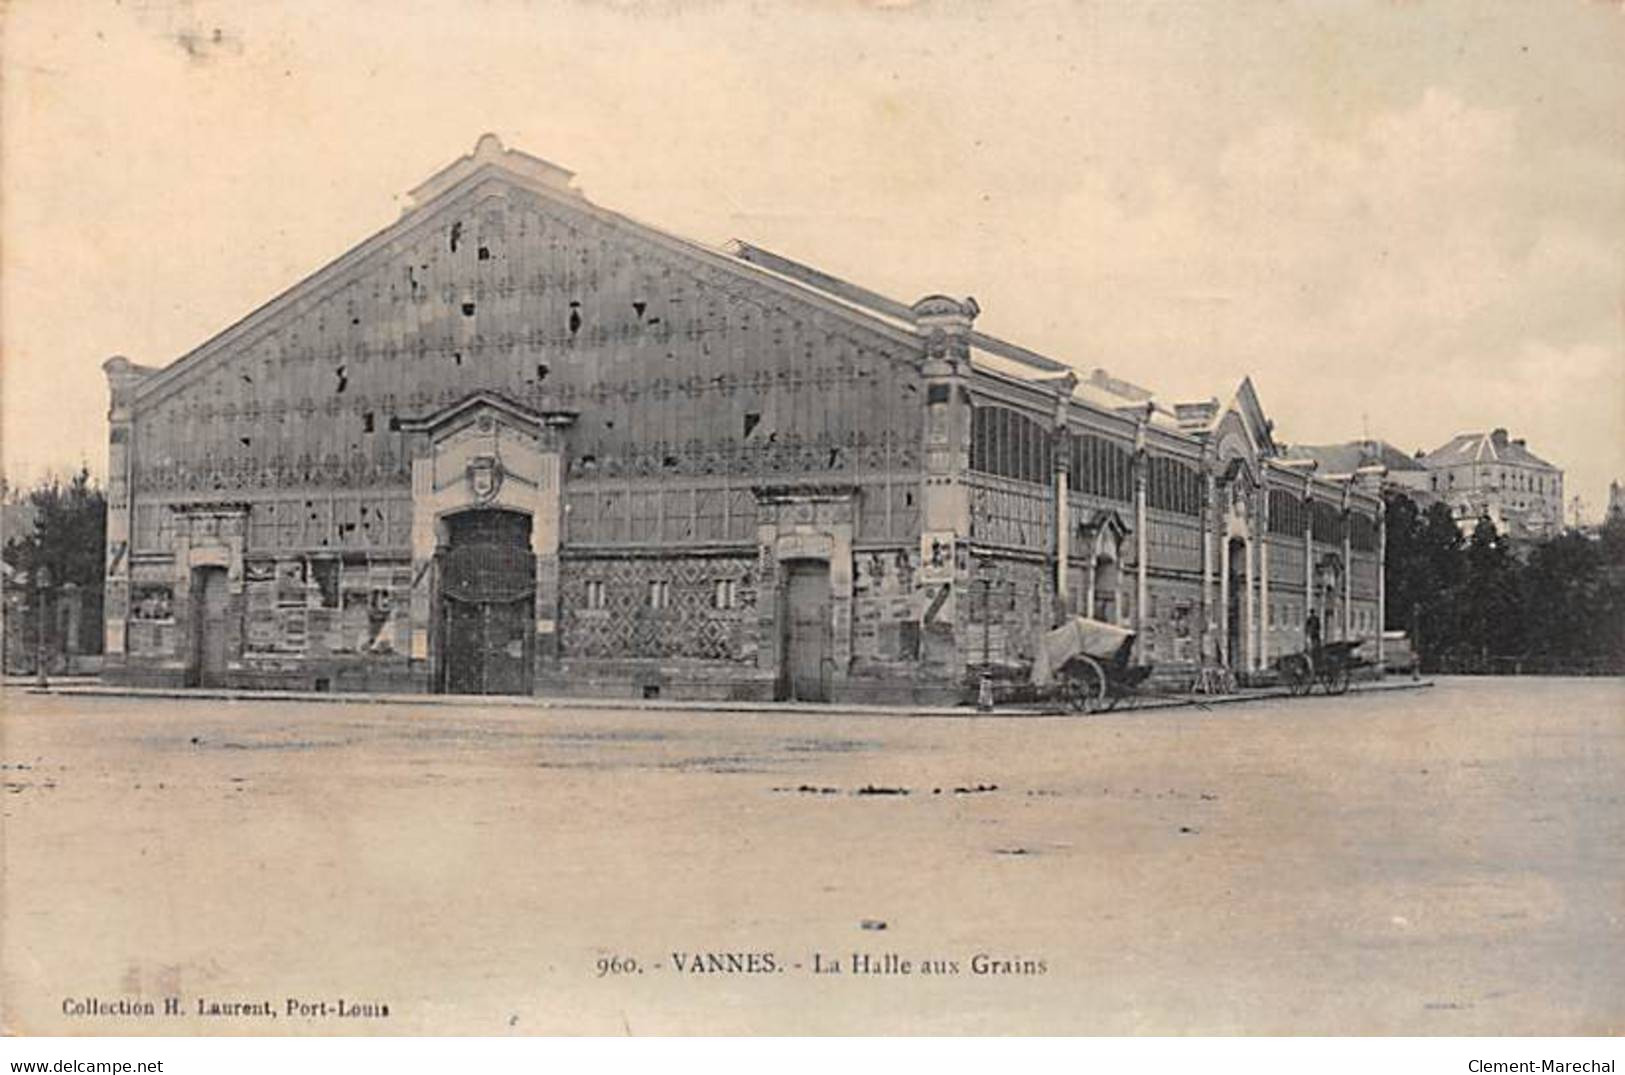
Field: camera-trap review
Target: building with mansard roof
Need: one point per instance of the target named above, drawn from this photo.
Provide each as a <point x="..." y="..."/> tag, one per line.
<point x="518" y="443"/>
<point x="1494" y="476"/>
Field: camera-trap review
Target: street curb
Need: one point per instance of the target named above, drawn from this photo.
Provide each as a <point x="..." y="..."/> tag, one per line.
<point x="465" y="701"/>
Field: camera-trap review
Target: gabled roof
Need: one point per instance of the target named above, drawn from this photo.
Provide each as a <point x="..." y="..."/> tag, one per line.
<point x="441" y="193"/>
<point x="1491" y="447"/>
<point x="548" y="181"/>
<point x="1245" y="406"/>
<point x="988" y="352"/>
<point x="1350" y="456"/>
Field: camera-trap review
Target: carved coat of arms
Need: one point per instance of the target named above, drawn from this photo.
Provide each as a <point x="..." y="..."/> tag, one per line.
<point x="484" y="478"/>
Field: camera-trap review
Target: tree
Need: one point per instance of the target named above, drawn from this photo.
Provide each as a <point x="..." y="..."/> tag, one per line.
<point x="1609" y="615"/>
<point x="1564" y="600"/>
<point x="1403" y="577"/>
<point x="1488" y="597"/>
<point x="69" y="532"/>
<point x="1423" y="570"/>
<point x="67" y="538"/>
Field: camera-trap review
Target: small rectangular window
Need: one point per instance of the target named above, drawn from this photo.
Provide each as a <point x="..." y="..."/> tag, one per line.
<point x="659" y="594"/>
<point x="725" y="595"/>
<point x="595" y="593"/>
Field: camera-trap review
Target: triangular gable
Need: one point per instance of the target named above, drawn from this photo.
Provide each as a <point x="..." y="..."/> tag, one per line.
<point x="489" y="150"/>
<point x="1238" y="467"/>
<point x="449" y="192"/>
<point x="1246" y="404"/>
<point x="496" y="401"/>
<point x="1109" y="521"/>
<point x="1102" y="534"/>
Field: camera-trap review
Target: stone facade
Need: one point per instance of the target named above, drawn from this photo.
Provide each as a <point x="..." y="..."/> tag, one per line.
<point x="518" y="442"/>
<point x="1496" y="476"/>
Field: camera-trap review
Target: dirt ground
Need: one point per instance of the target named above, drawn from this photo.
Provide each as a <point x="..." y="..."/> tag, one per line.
<point x="1443" y="861"/>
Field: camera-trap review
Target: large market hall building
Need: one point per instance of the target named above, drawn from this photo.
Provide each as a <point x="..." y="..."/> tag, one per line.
<point x="517" y="443"/>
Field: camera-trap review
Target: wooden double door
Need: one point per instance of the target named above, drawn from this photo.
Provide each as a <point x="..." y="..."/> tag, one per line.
<point x="207" y="666"/>
<point x="807" y="649"/>
<point x="487" y="605"/>
<point x="488" y="647"/>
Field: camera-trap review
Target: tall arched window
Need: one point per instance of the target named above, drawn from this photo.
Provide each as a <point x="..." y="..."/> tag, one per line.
<point x="1101" y="467"/>
<point x="1009" y="444"/>
<point x="1174" y="486"/>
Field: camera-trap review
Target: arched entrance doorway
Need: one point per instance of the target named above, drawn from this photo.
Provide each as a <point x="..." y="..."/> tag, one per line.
<point x="1329" y="581"/>
<point x="487" y="603"/>
<point x="1103" y="537"/>
<point x="1234" y="619"/>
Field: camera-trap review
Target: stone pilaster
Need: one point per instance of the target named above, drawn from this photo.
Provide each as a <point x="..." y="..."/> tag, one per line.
<point x="1224" y="598"/>
<point x="1249" y="606"/>
<point x="1309" y="561"/>
<point x="1142" y="461"/>
<point x="1063" y="533"/>
<point x="1061" y="455"/>
<point x="547" y="533"/>
<point x="1262" y="535"/>
<point x="1209" y="529"/>
<point x="425" y="543"/>
<point x="943" y="324"/>
<point x="1348" y="565"/>
<point x="1382" y="577"/>
<point x="123" y="377"/>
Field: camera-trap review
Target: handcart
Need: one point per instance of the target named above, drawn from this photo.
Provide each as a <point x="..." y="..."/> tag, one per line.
<point x="1087" y="665"/>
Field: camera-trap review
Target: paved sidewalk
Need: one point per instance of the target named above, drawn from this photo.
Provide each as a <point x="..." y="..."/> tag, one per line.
<point x="91" y="689"/>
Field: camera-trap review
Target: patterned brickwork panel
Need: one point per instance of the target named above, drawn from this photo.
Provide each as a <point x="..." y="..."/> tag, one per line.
<point x="669" y="607"/>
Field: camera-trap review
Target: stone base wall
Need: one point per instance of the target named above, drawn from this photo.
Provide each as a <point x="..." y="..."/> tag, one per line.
<point x="360" y="675"/>
<point x="635" y="679"/>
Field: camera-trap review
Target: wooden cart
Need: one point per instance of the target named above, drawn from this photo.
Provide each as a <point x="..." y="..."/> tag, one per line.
<point x="1087" y="665"/>
<point x="1330" y="665"/>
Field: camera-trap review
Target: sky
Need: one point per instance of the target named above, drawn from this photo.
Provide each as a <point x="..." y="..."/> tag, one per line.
<point x="1402" y="219"/>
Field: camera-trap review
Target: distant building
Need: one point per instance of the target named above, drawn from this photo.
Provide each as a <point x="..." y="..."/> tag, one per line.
<point x="1616" y="500"/>
<point x="1490" y="474"/>
<point x="1401" y="471"/>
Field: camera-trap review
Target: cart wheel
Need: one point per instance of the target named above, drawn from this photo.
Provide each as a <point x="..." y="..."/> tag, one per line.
<point x="1089" y="686"/>
<point x="1298" y="677"/>
<point x="1337" y="679"/>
